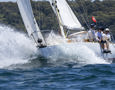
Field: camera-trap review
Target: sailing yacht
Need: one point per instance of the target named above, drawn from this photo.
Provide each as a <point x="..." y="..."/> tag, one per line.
<point x="70" y="26"/>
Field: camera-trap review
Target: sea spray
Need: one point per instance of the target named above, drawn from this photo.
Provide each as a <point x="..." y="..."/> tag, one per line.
<point x="72" y="53"/>
<point x="54" y="39"/>
<point x="15" y="47"/>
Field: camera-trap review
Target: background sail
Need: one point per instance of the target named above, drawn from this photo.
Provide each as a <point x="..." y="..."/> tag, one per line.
<point x="68" y="18"/>
<point x="29" y="21"/>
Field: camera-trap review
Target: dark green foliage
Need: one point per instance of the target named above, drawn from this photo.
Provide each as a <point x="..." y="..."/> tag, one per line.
<point x="46" y="19"/>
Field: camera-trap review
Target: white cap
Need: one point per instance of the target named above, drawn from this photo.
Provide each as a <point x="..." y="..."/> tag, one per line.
<point x="107" y="29"/>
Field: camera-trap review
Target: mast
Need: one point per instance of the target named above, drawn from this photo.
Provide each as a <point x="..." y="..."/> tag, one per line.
<point x="30" y="22"/>
<point x="56" y="10"/>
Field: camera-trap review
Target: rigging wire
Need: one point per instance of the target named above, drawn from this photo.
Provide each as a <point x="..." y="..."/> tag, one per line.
<point x="39" y="9"/>
<point x="71" y="14"/>
<point x="37" y="5"/>
<point x="71" y="4"/>
<point x="85" y="10"/>
<point x="83" y="18"/>
<point x="79" y="16"/>
<point x="85" y="21"/>
<point x="41" y="16"/>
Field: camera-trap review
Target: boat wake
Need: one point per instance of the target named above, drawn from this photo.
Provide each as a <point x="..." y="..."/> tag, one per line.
<point x="17" y="51"/>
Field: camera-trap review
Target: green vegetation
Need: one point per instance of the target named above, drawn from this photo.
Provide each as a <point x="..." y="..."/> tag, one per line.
<point x="103" y="11"/>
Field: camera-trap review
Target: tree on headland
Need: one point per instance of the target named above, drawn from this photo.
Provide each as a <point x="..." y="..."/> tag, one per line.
<point x="104" y="12"/>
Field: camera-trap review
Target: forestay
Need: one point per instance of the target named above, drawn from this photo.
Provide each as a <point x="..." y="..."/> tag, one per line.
<point x="30" y="22"/>
<point x="68" y="18"/>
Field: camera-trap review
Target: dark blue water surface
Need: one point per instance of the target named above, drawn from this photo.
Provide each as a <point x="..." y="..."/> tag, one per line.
<point x="45" y="77"/>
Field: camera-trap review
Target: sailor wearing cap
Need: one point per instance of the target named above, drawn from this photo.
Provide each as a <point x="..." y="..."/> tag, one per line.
<point x="107" y="35"/>
<point x="107" y="38"/>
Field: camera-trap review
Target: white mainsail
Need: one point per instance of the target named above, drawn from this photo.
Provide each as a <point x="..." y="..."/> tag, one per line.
<point x="30" y="22"/>
<point x="68" y="18"/>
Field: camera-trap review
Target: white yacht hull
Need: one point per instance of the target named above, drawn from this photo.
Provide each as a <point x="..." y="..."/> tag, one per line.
<point x="74" y="49"/>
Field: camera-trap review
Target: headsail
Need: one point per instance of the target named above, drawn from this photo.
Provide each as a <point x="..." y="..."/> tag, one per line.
<point x="30" y="22"/>
<point x="68" y="18"/>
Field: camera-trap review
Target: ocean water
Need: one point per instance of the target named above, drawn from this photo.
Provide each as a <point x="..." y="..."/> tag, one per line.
<point x="67" y="67"/>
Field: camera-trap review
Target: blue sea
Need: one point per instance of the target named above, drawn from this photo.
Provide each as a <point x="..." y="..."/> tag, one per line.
<point x="89" y="77"/>
<point x="69" y="68"/>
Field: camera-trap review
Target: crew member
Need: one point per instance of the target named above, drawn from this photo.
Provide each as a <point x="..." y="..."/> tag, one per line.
<point x="107" y="39"/>
<point x="107" y="33"/>
<point x="91" y="33"/>
<point x="99" y="37"/>
<point x="103" y="39"/>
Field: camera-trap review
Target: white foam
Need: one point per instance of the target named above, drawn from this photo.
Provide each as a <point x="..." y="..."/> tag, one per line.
<point x="76" y="53"/>
<point x="15" y="48"/>
<point x="53" y="39"/>
<point x="87" y="53"/>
